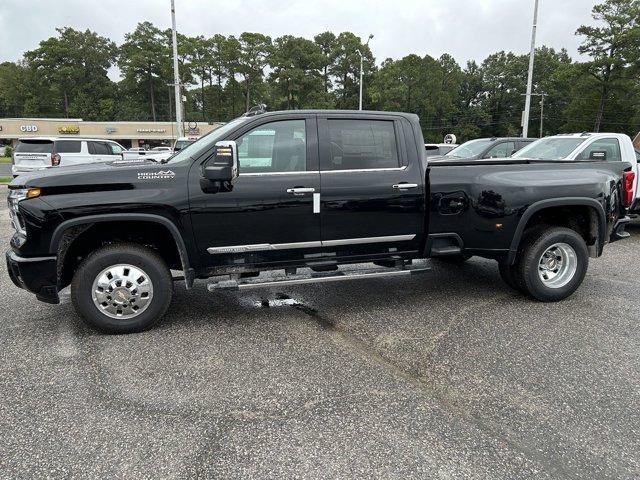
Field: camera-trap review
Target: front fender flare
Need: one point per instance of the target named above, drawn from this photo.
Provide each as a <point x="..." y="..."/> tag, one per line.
<point x="58" y="233"/>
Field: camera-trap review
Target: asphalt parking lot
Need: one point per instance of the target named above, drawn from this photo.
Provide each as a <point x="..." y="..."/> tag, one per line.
<point x="446" y="375"/>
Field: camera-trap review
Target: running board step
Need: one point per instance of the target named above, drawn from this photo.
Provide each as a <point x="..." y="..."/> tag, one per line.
<point x="314" y="277"/>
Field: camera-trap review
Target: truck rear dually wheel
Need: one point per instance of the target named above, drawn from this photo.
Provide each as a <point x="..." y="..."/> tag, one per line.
<point x="122" y="288"/>
<point x="552" y="264"/>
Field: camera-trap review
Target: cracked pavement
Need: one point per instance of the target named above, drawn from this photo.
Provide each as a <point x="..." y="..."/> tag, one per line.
<point x="444" y="375"/>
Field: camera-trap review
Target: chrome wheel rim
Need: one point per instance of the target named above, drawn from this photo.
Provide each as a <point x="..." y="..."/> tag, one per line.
<point x="557" y="265"/>
<point x="122" y="291"/>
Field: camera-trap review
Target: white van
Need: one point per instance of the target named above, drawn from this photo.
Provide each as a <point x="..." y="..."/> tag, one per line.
<point x="45" y="152"/>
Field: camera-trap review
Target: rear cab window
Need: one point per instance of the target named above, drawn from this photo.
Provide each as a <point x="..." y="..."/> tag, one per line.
<point x="361" y="145"/>
<point x="603" y="149"/>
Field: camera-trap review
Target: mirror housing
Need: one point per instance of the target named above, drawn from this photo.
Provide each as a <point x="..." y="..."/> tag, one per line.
<point x="223" y="165"/>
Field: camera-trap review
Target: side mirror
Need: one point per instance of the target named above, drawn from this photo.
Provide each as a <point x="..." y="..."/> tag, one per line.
<point x="223" y="166"/>
<point x="597" y="155"/>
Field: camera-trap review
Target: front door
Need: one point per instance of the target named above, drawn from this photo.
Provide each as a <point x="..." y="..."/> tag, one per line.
<point x="268" y="216"/>
<point x="372" y="186"/>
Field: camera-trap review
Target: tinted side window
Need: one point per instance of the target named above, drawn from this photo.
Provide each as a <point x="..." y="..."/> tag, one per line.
<point x="362" y="144"/>
<point x="68" y="146"/>
<point x="274" y="147"/>
<point x="501" y="150"/>
<point x="610" y="146"/>
<point x="99" y="148"/>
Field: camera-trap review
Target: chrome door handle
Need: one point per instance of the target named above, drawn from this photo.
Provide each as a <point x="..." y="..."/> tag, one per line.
<point x="405" y="186"/>
<point x="300" y="190"/>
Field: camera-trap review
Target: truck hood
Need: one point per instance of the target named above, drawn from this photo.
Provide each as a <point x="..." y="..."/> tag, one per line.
<point x="117" y="172"/>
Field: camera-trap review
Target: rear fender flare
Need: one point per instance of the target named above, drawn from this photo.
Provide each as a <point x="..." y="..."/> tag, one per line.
<point x="558" y="202"/>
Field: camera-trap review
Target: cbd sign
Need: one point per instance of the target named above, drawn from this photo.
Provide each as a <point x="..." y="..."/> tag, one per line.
<point x="28" y="128"/>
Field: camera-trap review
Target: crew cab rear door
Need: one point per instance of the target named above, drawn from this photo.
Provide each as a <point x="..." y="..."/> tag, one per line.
<point x="372" y="190"/>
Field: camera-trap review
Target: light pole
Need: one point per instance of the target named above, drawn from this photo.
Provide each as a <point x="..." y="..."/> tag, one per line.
<point x="176" y="76"/>
<point x="527" y="102"/>
<point x="360" y="53"/>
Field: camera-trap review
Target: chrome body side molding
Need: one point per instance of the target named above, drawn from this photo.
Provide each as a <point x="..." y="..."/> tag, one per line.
<point x="261" y="247"/>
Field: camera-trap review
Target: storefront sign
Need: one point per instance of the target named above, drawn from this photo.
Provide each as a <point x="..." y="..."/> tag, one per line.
<point x="28" y="128"/>
<point x="69" y="129"/>
<point x="110" y="129"/>
<point x="151" y="130"/>
<point x="193" y="128"/>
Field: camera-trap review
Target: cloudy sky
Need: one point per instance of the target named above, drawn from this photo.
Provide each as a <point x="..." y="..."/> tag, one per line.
<point x="468" y="29"/>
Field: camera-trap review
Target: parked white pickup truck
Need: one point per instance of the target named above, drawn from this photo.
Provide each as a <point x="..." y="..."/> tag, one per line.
<point x="613" y="147"/>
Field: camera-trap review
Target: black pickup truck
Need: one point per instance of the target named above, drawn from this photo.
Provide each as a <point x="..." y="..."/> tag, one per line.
<point x="304" y="193"/>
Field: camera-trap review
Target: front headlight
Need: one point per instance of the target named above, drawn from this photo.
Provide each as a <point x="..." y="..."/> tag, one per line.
<point x="16" y="195"/>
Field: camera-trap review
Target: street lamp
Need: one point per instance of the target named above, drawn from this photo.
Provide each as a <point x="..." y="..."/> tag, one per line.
<point x="360" y="53"/>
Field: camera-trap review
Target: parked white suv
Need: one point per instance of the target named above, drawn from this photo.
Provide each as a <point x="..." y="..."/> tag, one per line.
<point x="45" y="152"/>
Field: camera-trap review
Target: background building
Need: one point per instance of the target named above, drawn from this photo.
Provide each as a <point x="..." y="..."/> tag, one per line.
<point x="129" y="134"/>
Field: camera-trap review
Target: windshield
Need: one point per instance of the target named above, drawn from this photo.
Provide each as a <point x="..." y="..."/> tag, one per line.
<point x="550" y="148"/>
<point x="469" y="149"/>
<point x="206" y="141"/>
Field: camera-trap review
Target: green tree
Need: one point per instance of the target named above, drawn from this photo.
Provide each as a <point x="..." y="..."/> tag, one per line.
<point x="74" y="64"/>
<point x="14" y="89"/>
<point x="611" y="45"/>
<point x="144" y="61"/>
<point x="346" y="68"/>
<point x="254" y="51"/>
<point x="326" y="41"/>
<point x="295" y="63"/>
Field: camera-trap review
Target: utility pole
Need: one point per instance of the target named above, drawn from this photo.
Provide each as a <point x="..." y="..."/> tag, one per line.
<point x="360" y="53"/>
<point x="541" y="95"/>
<point x="527" y="102"/>
<point x="176" y="76"/>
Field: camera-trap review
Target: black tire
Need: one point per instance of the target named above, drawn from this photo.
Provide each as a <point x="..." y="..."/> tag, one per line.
<point x="510" y="273"/>
<point x="131" y="254"/>
<point x="534" y="245"/>
<point x="453" y="259"/>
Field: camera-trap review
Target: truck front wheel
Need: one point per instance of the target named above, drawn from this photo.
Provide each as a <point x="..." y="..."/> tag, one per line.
<point x="552" y="264"/>
<point x="122" y="288"/>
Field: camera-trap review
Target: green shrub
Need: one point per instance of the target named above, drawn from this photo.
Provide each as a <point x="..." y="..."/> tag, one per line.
<point x="8" y="151"/>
